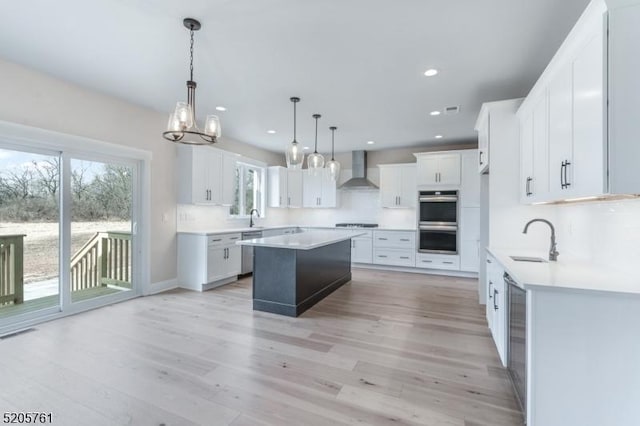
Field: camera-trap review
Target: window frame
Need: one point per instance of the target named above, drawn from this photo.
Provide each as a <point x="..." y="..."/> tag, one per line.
<point x="241" y="167"/>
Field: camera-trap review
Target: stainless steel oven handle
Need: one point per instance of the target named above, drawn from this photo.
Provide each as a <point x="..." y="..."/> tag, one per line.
<point x="438" y="199"/>
<point x="438" y="228"/>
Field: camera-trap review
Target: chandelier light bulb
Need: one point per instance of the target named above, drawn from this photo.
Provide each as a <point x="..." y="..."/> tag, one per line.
<point x="212" y="126"/>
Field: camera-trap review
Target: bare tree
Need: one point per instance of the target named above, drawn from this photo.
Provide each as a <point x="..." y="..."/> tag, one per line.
<point x="48" y="175"/>
<point x="78" y="185"/>
<point x="17" y="183"/>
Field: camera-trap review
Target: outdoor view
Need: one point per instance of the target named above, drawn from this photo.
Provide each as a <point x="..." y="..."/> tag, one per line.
<point x="100" y="229"/>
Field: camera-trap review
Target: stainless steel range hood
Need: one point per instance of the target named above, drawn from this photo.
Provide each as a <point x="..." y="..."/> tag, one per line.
<point x="359" y="178"/>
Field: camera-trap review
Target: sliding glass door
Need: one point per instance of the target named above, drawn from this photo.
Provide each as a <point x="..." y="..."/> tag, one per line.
<point x="29" y="232"/>
<point x="67" y="233"/>
<point x="101" y="229"/>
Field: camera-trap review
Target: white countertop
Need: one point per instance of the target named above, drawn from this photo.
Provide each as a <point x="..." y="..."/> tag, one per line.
<point x="303" y="240"/>
<point x="234" y="230"/>
<point x="565" y="274"/>
<point x="265" y="228"/>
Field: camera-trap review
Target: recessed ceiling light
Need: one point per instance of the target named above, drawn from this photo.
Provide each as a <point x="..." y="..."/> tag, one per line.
<point x="370" y="142"/>
<point x="271" y="132"/>
<point x="306" y="147"/>
<point x="439" y="136"/>
<point x="221" y="108"/>
<point x="435" y="113"/>
<point x="431" y="72"/>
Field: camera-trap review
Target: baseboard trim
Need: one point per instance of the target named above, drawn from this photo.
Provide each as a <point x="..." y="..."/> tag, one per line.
<point x="459" y="274"/>
<point x="161" y="287"/>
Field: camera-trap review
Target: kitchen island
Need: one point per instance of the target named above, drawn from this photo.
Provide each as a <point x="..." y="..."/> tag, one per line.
<point x="291" y="273"/>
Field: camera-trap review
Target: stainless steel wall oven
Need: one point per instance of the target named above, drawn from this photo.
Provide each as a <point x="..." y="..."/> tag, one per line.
<point x="438" y="222"/>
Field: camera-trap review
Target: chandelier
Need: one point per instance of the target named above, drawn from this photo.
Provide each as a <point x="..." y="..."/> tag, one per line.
<point x="182" y="126"/>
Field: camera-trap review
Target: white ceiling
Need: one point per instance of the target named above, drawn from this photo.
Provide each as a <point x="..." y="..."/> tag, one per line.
<point x="359" y="63"/>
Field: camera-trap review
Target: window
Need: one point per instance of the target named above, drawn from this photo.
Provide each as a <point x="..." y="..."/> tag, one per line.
<point x="249" y="190"/>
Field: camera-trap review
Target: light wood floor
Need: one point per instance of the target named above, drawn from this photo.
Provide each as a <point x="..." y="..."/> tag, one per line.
<point x="387" y="348"/>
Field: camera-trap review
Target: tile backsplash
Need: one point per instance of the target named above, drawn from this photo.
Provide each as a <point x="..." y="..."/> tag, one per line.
<point x="605" y="233"/>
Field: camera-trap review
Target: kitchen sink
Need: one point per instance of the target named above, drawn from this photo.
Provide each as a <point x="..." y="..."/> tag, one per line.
<point x="528" y="259"/>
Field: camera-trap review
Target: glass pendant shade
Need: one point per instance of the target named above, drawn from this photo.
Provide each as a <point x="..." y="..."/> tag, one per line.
<point x="183" y="115"/>
<point x="333" y="165"/>
<point x="212" y="126"/>
<point x="294" y="153"/>
<point x="334" y="169"/>
<point x="315" y="161"/>
<point x="295" y="156"/>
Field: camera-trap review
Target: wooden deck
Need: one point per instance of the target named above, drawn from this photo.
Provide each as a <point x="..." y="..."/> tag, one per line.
<point x="385" y="349"/>
<point x="49" y="301"/>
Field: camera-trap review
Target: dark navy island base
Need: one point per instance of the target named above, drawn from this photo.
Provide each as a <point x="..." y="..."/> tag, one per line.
<point x="288" y="281"/>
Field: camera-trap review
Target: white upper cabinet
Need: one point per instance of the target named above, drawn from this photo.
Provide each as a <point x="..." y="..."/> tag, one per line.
<point x="278" y="180"/>
<point x="560" y="130"/>
<point x="579" y="124"/>
<point x="435" y="169"/>
<point x="285" y="187"/>
<point x="318" y="189"/>
<point x="483" y="141"/>
<point x="470" y="186"/>
<point x="294" y="188"/>
<point x="398" y="185"/>
<point x="207" y="176"/>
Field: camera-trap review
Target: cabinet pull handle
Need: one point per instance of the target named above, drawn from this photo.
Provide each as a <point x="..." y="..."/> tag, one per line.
<point x="404" y="257"/>
<point x="380" y="255"/>
<point x="529" y="193"/>
<point x="562" y="175"/>
<point x="436" y="176"/>
<point x="480" y="156"/>
<point x="399" y="200"/>
<point x="427" y="261"/>
<point x="382" y="239"/>
<point x="490" y="292"/>
<point x="566" y="180"/>
<point x="495" y="298"/>
<point x="404" y="239"/>
<point x="289" y="201"/>
<point x="488" y="260"/>
<point x="216" y="240"/>
<point x="448" y="263"/>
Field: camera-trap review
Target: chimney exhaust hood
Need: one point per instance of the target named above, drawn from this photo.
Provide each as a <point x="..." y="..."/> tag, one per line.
<point x="359" y="168"/>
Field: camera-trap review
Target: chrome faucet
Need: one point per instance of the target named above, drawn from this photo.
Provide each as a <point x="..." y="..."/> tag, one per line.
<point x="251" y="217"/>
<point x="553" y="252"/>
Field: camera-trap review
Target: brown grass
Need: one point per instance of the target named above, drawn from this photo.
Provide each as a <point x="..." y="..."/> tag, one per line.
<point x="41" y="251"/>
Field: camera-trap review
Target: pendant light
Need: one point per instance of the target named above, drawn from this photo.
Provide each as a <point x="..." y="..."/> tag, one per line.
<point x="315" y="161"/>
<point x="333" y="165"/>
<point x="294" y="154"/>
<point x="182" y="127"/>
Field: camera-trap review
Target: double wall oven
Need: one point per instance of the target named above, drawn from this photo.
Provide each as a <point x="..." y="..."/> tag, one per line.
<point x="438" y="222"/>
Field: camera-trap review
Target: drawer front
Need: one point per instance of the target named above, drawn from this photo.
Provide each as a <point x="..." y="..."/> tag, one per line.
<point x="394" y="257"/>
<point x="223" y="239"/>
<point x="395" y="239"/>
<point x="445" y="262"/>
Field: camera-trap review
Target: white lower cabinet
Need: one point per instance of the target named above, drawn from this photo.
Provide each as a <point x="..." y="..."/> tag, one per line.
<point x="394" y="248"/>
<point x="205" y="261"/>
<point x="497" y="306"/>
<point x="438" y="261"/>
<point x="362" y="248"/>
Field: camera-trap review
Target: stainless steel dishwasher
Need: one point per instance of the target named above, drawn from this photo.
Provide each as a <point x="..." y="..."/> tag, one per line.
<point x="517" y="352"/>
<point x="246" y="266"/>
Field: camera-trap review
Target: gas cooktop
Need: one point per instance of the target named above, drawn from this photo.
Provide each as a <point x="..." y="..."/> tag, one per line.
<point x="356" y="225"/>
